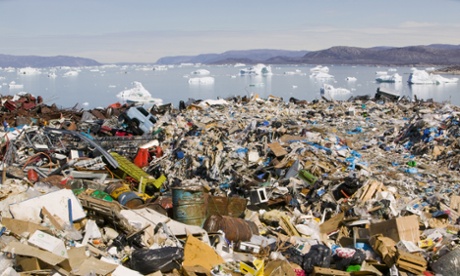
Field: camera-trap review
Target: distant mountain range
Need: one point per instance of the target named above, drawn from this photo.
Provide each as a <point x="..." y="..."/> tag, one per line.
<point x="434" y="54"/>
<point x="230" y="57"/>
<point x="42" y="62"/>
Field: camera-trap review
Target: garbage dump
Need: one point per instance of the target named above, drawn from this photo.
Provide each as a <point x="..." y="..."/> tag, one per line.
<point x="241" y="186"/>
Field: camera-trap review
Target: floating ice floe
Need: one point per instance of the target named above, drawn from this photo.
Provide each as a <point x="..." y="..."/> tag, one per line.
<point x="239" y="65"/>
<point x="138" y="95"/>
<point x="319" y="68"/>
<point x="350" y="79"/>
<point x="29" y="71"/>
<point x="330" y="90"/>
<point x="321" y="75"/>
<point x="160" y="68"/>
<point x="202" y="72"/>
<point x="423" y="77"/>
<point x="202" y="80"/>
<point x="296" y="72"/>
<point x="14" y="85"/>
<point x="258" y="69"/>
<point x="388" y="78"/>
<point x="71" y="74"/>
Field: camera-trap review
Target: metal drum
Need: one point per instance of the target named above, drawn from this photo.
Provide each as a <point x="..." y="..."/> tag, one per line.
<point x="189" y="205"/>
<point x="131" y="200"/>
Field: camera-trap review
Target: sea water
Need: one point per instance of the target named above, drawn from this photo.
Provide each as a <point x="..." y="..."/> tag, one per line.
<point x="91" y="87"/>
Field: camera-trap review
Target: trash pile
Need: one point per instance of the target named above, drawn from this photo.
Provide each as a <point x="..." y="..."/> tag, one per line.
<point x="241" y="186"/>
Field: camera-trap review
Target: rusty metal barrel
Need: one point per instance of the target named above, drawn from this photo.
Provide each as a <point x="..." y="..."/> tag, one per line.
<point x="235" y="229"/>
<point x="226" y="206"/>
<point x="189" y="205"/>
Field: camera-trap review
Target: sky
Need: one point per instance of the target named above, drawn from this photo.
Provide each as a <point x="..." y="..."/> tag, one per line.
<point x="143" y="31"/>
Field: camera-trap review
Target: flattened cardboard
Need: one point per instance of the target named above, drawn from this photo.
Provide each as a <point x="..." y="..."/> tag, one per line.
<point x="332" y="224"/>
<point x="92" y="265"/>
<point x="198" y="253"/>
<point x="401" y="228"/>
<point x="31" y="251"/>
<point x="279" y="268"/>
<point x="19" y="227"/>
<point x="277" y="149"/>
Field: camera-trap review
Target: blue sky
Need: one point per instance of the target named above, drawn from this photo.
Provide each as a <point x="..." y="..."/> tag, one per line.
<point x="145" y="30"/>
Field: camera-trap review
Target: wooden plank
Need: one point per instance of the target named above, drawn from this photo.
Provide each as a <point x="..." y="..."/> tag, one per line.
<point x="370" y="190"/>
<point x="321" y="271"/>
<point x="412" y="258"/>
<point x="277" y="149"/>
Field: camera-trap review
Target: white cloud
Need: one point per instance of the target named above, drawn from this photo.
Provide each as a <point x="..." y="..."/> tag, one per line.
<point x="415" y="24"/>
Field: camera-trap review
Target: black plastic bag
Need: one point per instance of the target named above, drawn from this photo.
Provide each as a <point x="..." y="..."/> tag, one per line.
<point x="319" y="255"/>
<point x="146" y="261"/>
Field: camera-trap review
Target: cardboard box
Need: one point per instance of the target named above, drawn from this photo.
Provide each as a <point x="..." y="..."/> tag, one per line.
<point x="48" y="243"/>
<point x="401" y="228"/>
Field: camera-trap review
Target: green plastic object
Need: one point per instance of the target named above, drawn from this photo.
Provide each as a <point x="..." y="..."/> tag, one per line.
<point x="352" y="268"/>
<point x="308" y="177"/>
<point x="102" y="195"/>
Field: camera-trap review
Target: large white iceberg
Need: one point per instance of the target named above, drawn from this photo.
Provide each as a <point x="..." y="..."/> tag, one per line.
<point x="138" y="95"/>
<point x="258" y="69"/>
<point x="320" y="72"/>
<point x="423" y="77"/>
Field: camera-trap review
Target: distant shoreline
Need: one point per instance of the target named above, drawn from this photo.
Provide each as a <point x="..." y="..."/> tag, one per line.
<point x="452" y="70"/>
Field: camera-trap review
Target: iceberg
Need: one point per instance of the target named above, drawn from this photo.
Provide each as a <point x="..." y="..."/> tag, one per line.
<point x="160" y="68"/>
<point x="202" y="72"/>
<point x="296" y="72"/>
<point x="138" y="95"/>
<point x="423" y="77"/>
<point x="29" y="71"/>
<point x="330" y="90"/>
<point x="319" y="68"/>
<point x="321" y="75"/>
<point x="14" y="85"/>
<point x="388" y="78"/>
<point x="258" y="69"/>
<point x="71" y="74"/>
<point x="203" y="80"/>
<point x="350" y="79"/>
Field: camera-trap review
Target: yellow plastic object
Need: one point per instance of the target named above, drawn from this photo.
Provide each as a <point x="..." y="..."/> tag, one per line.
<point x="257" y="271"/>
<point x="128" y="168"/>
